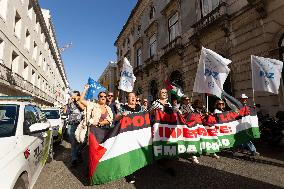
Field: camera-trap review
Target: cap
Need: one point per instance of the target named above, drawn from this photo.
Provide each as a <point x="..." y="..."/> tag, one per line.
<point x="244" y="96"/>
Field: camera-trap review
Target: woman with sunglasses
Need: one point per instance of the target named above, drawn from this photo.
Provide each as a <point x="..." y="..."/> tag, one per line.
<point x="219" y="107"/>
<point x="98" y="114"/>
<point x="185" y="107"/>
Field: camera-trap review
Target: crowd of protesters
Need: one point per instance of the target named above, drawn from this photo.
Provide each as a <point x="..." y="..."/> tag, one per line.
<point x="106" y="112"/>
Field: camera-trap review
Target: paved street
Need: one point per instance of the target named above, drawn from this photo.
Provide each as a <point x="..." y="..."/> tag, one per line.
<point x="229" y="171"/>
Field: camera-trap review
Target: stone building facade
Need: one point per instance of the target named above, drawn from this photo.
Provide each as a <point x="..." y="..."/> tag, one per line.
<point x="109" y="77"/>
<point x="162" y="39"/>
<point x="30" y="60"/>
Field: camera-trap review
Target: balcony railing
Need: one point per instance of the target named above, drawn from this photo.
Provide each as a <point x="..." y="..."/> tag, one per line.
<point x="138" y="69"/>
<point x="174" y="45"/>
<point x="14" y="79"/>
<point x="216" y="14"/>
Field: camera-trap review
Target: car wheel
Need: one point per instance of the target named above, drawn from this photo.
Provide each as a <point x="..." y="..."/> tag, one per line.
<point x="22" y="182"/>
<point x="51" y="152"/>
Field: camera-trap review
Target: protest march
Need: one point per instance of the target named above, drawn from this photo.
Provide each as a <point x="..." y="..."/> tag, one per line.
<point x="125" y="137"/>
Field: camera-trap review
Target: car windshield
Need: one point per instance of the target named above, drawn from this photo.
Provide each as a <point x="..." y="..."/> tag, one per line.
<point x="51" y="114"/>
<point x="8" y="119"/>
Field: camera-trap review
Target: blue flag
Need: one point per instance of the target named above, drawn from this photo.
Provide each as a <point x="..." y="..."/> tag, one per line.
<point x="94" y="89"/>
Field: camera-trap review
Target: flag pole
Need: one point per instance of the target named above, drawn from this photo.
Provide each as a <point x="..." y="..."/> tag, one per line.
<point x="207" y="103"/>
<point x="279" y="95"/>
<point x="252" y="79"/>
<point x="117" y="94"/>
<point x="191" y="98"/>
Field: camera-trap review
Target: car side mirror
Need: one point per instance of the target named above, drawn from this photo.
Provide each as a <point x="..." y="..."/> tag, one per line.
<point x="39" y="127"/>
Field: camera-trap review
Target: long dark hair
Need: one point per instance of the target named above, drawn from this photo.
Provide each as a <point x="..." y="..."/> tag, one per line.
<point x="101" y="93"/>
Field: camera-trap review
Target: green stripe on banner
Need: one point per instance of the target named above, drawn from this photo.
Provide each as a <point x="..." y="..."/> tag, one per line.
<point x="203" y="146"/>
<point x="124" y="164"/>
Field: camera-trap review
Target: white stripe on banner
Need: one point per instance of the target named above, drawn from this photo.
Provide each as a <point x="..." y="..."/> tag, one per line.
<point x="126" y="142"/>
<point x="234" y="127"/>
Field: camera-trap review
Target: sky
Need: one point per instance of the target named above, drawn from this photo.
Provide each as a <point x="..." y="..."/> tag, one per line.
<point x="92" y="26"/>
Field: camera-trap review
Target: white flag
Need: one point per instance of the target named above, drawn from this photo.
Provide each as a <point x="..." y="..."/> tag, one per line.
<point x="266" y="74"/>
<point x="211" y="73"/>
<point x="127" y="77"/>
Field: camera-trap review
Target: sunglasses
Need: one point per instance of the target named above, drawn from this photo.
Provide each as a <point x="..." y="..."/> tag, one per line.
<point x="145" y="101"/>
<point x="220" y="103"/>
<point x="138" y="100"/>
<point x="110" y="95"/>
<point x="102" y="96"/>
<point x="187" y="99"/>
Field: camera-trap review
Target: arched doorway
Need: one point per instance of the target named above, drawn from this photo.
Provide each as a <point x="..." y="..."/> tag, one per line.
<point x="153" y="90"/>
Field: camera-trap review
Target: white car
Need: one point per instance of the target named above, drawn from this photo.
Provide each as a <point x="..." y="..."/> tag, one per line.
<point x="54" y="117"/>
<point x="26" y="143"/>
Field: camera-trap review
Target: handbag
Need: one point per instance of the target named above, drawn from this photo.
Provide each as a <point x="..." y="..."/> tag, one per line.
<point x="82" y="129"/>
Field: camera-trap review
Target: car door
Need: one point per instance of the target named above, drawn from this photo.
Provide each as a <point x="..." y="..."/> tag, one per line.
<point x="34" y="140"/>
<point x="46" y="137"/>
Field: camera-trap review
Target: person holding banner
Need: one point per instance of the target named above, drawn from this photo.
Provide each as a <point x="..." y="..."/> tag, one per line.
<point x="219" y="107"/>
<point x="129" y="108"/>
<point x="185" y="107"/>
<point x="162" y="103"/>
<point x="249" y="145"/>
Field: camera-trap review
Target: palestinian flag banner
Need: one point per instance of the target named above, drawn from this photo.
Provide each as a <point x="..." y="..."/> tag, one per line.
<point x="172" y="89"/>
<point x="134" y="143"/>
<point x="175" y="135"/>
<point x="117" y="152"/>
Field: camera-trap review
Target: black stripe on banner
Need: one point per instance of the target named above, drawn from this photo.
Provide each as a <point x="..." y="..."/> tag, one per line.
<point x="230" y="116"/>
<point x="173" y="118"/>
<point x="130" y="122"/>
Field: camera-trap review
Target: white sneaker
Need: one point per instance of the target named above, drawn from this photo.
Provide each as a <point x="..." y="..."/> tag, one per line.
<point x="195" y="160"/>
<point x="215" y="156"/>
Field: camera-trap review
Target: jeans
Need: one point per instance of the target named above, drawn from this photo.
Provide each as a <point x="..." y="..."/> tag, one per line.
<point x="74" y="144"/>
<point x="249" y="146"/>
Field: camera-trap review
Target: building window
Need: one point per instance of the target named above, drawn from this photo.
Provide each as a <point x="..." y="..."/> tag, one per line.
<point x="28" y="40"/>
<point x="42" y="36"/>
<point x="152" y="12"/>
<point x="3" y="9"/>
<point x="173" y="27"/>
<point x="18" y="25"/>
<point x="1" y="51"/>
<point x="40" y="59"/>
<point x="128" y="41"/>
<point x="208" y="5"/>
<point x="15" y="62"/>
<point x="153" y="45"/>
<point x="35" y="51"/>
<point x="26" y="71"/>
<point x="139" y="30"/>
<point x="139" y="57"/>
<point x="33" y="77"/>
<point x="37" y="25"/>
<point x="30" y="9"/>
<point x="44" y="65"/>
<point x="38" y="82"/>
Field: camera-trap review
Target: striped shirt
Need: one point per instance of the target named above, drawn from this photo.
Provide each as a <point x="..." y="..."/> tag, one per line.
<point x="158" y="105"/>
